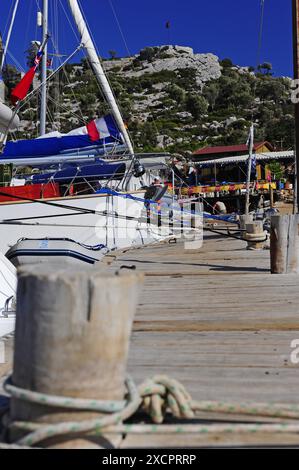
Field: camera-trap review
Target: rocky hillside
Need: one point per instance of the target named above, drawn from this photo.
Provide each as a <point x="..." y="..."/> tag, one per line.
<point x="173" y="99"/>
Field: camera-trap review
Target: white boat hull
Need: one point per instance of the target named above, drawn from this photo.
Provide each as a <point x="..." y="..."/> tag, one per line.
<point x="34" y="220"/>
<point x="8" y="287"/>
<point x="7" y="326"/>
<point x="114" y="223"/>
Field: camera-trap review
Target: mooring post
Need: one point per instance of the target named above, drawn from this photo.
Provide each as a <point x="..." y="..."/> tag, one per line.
<point x="245" y="219"/>
<point x="271" y="192"/>
<point x="284" y="244"/>
<point x="255" y="235"/>
<point x="72" y="339"/>
<point x="194" y="237"/>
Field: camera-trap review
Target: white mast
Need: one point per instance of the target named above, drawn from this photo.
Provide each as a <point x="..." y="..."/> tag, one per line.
<point x="43" y="104"/>
<point x="249" y="165"/>
<point x="98" y="70"/>
<point x="9" y="33"/>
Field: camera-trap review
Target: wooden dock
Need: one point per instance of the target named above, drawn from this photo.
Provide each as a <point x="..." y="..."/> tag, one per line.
<point x="219" y="322"/>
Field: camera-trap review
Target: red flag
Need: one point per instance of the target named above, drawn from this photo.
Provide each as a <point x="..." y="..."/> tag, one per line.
<point x="93" y="131"/>
<point x="21" y="89"/>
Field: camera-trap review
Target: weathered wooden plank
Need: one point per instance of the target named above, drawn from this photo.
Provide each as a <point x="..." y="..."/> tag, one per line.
<point x="210" y="440"/>
<point x="220" y="323"/>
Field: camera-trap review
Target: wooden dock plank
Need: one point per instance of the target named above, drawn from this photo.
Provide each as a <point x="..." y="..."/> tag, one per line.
<point x="212" y="440"/>
<point x="219" y="322"/>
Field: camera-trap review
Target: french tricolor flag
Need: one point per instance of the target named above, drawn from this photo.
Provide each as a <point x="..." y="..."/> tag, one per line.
<point x="98" y="129"/>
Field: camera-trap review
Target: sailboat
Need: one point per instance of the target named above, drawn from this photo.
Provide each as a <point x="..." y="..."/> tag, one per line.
<point x="100" y="156"/>
<point x="100" y="151"/>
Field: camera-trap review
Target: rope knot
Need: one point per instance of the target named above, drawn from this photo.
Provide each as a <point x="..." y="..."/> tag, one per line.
<point x="161" y="393"/>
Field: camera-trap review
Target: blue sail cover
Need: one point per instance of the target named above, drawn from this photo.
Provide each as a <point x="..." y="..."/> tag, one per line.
<point x="91" y="172"/>
<point x="64" y="143"/>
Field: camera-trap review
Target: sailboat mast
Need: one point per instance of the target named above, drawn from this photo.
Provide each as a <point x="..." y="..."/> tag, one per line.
<point x="249" y="165"/>
<point x="98" y="70"/>
<point x="43" y="107"/>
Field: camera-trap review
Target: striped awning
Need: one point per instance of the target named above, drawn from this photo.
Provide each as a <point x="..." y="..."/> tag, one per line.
<point x="288" y="154"/>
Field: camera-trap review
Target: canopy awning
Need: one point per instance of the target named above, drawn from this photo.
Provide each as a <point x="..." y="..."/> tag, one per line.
<point x="288" y="154"/>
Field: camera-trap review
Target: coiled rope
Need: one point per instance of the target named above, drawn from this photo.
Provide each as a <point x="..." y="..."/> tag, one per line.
<point x="156" y="396"/>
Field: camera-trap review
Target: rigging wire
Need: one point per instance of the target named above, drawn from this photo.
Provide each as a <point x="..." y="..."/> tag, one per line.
<point x="70" y="23"/>
<point x="125" y="44"/>
<point x="12" y="21"/>
<point x="259" y="49"/>
<point x="29" y="16"/>
<point x="250" y="140"/>
<point x="54" y="41"/>
<point x="260" y="37"/>
<point x="78" y="39"/>
<point x="49" y="77"/>
<point x="130" y="55"/>
<point x="120" y="28"/>
<point x="15" y="60"/>
<point x="57" y="78"/>
<point x="79" y="210"/>
<point x="100" y="57"/>
<point x="66" y="108"/>
<point x="7" y="21"/>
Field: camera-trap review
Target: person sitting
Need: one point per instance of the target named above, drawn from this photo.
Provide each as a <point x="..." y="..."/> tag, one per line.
<point x="192" y="177"/>
<point x="220" y="208"/>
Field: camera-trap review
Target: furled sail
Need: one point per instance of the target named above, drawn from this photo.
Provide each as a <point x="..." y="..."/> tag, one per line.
<point x="97" y="133"/>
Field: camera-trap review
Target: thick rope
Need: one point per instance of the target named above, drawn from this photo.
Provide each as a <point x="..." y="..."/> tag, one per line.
<point x="96" y="425"/>
<point x="156" y="397"/>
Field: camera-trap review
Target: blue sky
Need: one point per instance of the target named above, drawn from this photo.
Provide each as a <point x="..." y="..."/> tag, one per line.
<point x="228" y="28"/>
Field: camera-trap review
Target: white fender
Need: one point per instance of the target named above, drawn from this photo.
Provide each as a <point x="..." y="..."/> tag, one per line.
<point x="6" y="115"/>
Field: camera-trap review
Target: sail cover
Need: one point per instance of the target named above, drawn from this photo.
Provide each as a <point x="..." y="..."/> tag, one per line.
<point x="98" y="132"/>
<point x="91" y="172"/>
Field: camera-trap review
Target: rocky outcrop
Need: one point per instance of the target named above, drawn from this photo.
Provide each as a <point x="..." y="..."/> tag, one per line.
<point x="172" y="98"/>
<point x="170" y="58"/>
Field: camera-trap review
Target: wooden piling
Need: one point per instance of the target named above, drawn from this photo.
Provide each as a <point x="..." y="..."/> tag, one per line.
<point x="72" y="338"/>
<point x="284" y="244"/>
<point x="245" y="219"/>
<point x="194" y="238"/>
<point x="271" y="196"/>
<point x="255" y="235"/>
